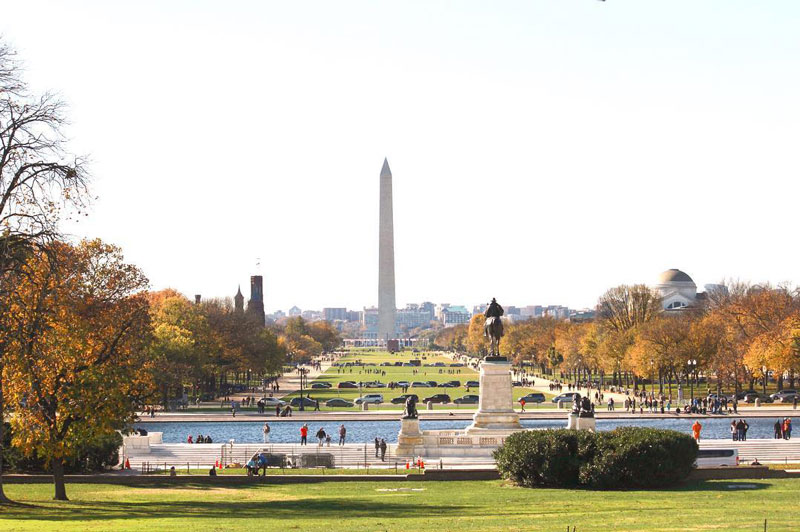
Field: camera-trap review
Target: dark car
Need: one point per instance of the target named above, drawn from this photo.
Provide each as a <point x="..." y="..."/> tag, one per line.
<point x="401" y="399"/>
<point x="418" y="384"/>
<point x="467" y="400"/>
<point x="534" y="398"/>
<point x="347" y="384"/>
<point x="450" y="384"/>
<point x="566" y="397"/>
<point x="472" y="384"/>
<point x="338" y="401"/>
<point x="437" y="398"/>
<point x="432" y="384"/>
<point x="750" y="397"/>
<point x="320" y="385"/>
<point x="307" y="403"/>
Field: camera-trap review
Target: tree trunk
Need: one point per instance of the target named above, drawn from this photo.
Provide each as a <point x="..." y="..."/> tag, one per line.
<point x="3" y="498"/>
<point x="58" y="480"/>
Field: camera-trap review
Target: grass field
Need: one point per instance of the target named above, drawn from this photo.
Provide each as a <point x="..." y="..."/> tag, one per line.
<point x="335" y="375"/>
<point x="405" y="506"/>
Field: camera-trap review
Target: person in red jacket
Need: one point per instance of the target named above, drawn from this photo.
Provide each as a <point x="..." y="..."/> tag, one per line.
<point x="304" y="435"/>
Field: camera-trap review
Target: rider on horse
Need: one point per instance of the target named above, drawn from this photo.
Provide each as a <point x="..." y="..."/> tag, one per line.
<point x="493" y="328"/>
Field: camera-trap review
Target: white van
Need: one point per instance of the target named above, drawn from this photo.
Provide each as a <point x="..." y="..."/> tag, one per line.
<point x="717" y="457"/>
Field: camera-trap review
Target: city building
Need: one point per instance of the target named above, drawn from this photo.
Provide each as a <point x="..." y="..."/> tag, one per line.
<point x="677" y="290"/>
<point x="238" y="301"/>
<point x="295" y="311"/>
<point x="334" y="313"/>
<point x="455" y="315"/>
<point x="255" y="305"/>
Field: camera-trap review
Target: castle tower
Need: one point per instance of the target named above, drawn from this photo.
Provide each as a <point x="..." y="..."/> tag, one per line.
<point x="256" y="304"/>
<point x="386" y="301"/>
<point x="238" y="301"/>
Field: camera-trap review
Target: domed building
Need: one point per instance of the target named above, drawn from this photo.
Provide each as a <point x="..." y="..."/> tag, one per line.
<point x="677" y="290"/>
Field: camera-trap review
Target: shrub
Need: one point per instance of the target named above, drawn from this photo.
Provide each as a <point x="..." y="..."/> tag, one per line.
<point x="545" y="457"/>
<point x="627" y="457"/>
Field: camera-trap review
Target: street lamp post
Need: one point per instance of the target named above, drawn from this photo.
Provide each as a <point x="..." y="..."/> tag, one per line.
<point x="692" y="363"/>
<point x="764" y="379"/>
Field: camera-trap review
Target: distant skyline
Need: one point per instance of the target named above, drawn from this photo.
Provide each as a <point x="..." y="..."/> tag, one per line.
<point x="541" y="152"/>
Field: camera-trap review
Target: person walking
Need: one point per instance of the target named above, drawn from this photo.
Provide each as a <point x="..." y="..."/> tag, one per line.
<point x="383" y="450"/>
<point x="377" y="447"/>
<point x="321" y="436"/>
<point x="342" y="434"/>
<point x="304" y="434"/>
<point x="778" y="430"/>
<point x="787" y="429"/>
<point x="265" y="432"/>
<point x="696" y="428"/>
<point x="522" y="404"/>
<point x="277" y="410"/>
<point x="734" y="432"/>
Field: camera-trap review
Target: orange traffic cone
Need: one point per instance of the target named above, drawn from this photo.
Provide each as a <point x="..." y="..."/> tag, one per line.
<point x="408" y="466"/>
<point x="421" y="464"/>
<point x="127" y="464"/>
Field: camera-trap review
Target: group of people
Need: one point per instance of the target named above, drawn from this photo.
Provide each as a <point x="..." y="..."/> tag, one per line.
<point x="739" y="430"/>
<point x="783" y="429"/>
<point x="322" y="436"/>
<point x="200" y="439"/>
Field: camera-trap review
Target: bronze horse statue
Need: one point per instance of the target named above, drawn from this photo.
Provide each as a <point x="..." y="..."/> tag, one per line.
<point x="493" y="327"/>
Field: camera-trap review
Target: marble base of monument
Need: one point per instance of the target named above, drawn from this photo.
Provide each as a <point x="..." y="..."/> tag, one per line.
<point x="496" y="404"/>
<point x="577" y="422"/>
<point x="409" y="441"/>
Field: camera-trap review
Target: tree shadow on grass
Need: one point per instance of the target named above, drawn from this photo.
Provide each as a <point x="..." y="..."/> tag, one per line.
<point x="301" y="509"/>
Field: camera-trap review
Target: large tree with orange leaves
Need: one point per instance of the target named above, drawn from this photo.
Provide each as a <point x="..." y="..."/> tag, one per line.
<point x="77" y="365"/>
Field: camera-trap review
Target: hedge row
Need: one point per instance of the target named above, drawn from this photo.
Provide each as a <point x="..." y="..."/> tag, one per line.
<point x="627" y="457"/>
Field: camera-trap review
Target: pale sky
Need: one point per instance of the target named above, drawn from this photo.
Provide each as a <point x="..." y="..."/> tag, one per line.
<point x="542" y="151"/>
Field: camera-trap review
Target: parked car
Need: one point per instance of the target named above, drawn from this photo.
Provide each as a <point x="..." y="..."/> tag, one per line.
<point x="387" y="363"/>
<point x="472" y="384"/>
<point x="450" y="384"/>
<point x="347" y="384"/>
<point x="403" y="383"/>
<point x="320" y="385"/>
<point x="566" y="397"/>
<point x="307" y="403"/>
<point x="516" y="383"/>
<point x="438" y="364"/>
<point x="273" y="402"/>
<point x="437" y="398"/>
<point x="370" y="398"/>
<point x="418" y="384"/>
<point x="375" y="384"/>
<point x="432" y="384"/>
<point x="750" y="397"/>
<point x="467" y="400"/>
<point x="401" y="399"/>
<point x="785" y="396"/>
<point x="338" y="402"/>
<point x="457" y="365"/>
<point x="534" y="397"/>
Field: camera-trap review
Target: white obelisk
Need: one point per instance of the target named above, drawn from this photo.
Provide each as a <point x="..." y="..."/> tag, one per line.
<point x="386" y="303"/>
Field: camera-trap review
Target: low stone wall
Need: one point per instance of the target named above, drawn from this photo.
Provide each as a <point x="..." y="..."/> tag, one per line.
<point x="740" y="472"/>
<point x="200" y="480"/>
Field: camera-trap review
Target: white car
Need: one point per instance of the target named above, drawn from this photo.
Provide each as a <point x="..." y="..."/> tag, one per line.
<point x="785" y="396"/>
<point x="273" y="402"/>
<point x="370" y="398"/>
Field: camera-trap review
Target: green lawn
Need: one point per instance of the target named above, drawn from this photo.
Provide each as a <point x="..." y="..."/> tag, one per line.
<point x="404" y="507"/>
<point x="334" y="375"/>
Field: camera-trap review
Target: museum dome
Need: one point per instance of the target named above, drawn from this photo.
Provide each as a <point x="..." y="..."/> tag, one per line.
<point x="674" y="275"/>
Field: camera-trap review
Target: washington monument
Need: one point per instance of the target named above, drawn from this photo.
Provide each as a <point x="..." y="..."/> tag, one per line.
<point x="386" y="304"/>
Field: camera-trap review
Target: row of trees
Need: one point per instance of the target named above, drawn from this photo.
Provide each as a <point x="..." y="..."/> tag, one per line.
<point x="83" y="344"/>
<point x="737" y="336"/>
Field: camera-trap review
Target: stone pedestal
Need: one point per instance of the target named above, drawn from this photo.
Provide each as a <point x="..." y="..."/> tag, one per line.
<point x="409" y="441"/>
<point x="495" y="408"/>
<point x="575" y="422"/>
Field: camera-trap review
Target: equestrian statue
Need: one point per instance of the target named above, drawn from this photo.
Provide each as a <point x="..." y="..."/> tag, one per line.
<point x="493" y="327"/>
